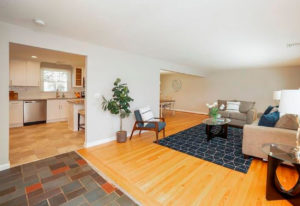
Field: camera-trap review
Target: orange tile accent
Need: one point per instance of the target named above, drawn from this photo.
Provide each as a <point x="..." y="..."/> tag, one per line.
<point x="81" y="162"/>
<point x="34" y="187"/>
<point x="108" y="187"/>
<point x="60" y="170"/>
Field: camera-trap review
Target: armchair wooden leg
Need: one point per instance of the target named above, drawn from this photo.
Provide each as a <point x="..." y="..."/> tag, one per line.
<point x="164" y="133"/>
<point x="140" y="132"/>
<point x="156" y="135"/>
<point x="131" y="133"/>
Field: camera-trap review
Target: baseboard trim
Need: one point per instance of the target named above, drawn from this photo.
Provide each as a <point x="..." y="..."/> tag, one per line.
<point x="16" y="125"/>
<point x="188" y="111"/>
<point x="4" y="166"/>
<point x="98" y="142"/>
<point x="57" y="120"/>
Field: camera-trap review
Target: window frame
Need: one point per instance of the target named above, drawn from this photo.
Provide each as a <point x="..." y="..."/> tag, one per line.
<point x="69" y="79"/>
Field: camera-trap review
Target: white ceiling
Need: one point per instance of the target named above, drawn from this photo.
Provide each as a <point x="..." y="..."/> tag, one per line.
<point x="23" y="52"/>
<point x="206" y="34"/>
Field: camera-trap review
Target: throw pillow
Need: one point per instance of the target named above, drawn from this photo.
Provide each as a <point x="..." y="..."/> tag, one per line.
<point x="269" y="120"/>
<point x="146" y="114"/>
<point x="275" y="109"/>
<point x="268" y="110"/>
<point x="288" y="121"/>
<point x="233" y="106"/>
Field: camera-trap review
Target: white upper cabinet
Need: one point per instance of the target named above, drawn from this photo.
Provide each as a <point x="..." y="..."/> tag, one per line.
<point x="33" y="75"/>
<point x="24" y="73"/>
<point x="17" y="73"/>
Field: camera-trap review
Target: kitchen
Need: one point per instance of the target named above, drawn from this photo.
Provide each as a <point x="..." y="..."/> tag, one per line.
<point x="47" y="98"/>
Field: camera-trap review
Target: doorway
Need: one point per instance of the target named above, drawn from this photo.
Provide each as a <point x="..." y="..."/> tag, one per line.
<point x="46" y="93"/>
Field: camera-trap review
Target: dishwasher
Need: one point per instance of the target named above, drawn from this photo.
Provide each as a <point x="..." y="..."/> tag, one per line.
<point x="35" y="112"/>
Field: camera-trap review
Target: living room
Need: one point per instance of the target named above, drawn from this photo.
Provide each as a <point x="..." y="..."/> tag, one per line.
<point x="242" y="51"/>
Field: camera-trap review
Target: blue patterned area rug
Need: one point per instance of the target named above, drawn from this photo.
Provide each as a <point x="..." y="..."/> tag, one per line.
<point x="225" y="152"/>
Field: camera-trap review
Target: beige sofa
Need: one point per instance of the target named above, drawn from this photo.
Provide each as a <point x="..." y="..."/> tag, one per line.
<point x="246" y="115"/>
<point x="255" y="136"/>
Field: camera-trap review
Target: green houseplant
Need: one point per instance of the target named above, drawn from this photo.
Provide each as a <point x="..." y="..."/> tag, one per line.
<point x="119" y="105"/>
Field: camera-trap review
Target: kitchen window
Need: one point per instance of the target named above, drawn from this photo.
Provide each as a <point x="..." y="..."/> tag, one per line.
<point x="56" y="79"/>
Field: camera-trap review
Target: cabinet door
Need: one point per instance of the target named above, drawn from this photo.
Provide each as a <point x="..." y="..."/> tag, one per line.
<point x="53" y="110"/>
<point x="17" y="73"/>
<point x="33" y="75"/>
<point x="16" y="113"/>
<point x="78" y="77"/>
<point x="63" y="109"/>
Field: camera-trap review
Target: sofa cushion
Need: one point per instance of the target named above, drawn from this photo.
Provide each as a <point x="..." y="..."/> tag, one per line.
<point x="238" y="115"/>
<point x="245" y="106"/>
<point x="224" y="102"/>
<point x="288" y="121"/>
<point x="224" y="114"/>
<point x="269" y="120"/>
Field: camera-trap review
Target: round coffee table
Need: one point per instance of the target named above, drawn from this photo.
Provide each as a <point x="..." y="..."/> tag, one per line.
<point x="211" y="123"/>
<point x="278" y="153"/>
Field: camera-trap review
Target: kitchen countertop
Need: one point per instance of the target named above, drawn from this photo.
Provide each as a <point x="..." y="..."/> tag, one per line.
<point x="76" y="101"/>
<point x="52" y="98"/>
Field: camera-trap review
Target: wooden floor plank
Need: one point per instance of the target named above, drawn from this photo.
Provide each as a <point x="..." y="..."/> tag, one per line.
<point x="156" y="175"/>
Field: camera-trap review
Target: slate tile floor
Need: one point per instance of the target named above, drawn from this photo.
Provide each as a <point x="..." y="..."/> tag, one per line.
<point x="65" y="179"/>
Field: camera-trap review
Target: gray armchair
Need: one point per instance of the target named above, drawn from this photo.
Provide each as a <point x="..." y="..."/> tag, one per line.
<point x="141" y="125"/>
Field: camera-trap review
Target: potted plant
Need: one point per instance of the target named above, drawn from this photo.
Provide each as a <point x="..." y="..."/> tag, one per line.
<point x="214" y="110"/>
<point x="119" y="105"/>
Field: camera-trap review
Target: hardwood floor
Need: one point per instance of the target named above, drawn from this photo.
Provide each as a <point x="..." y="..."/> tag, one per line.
<point x="40" y="141"/>
<point x="156" y="175"/>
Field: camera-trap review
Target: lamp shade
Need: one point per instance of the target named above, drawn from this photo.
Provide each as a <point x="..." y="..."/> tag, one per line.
<point x="290" y="102"/>
<point x="276" y="95"/>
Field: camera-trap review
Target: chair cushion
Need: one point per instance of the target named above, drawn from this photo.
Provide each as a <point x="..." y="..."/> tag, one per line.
<point x="146" y="113"/>
<point x="245" y="106"/>
<point x="288" y="121"/>
<point x="161" y="125"/>
<point x="238" y="115"/>
<point x="138" y="117"/>
<point x="269" y="120"/>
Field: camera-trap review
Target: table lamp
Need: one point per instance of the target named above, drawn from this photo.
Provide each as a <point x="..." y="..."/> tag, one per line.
<point x="290" y="104"/>
<point x="276" y="97"/>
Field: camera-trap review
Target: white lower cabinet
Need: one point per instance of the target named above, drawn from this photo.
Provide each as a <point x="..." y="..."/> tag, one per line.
<point x="16" y="114"/>
<point x="57" y="110"/>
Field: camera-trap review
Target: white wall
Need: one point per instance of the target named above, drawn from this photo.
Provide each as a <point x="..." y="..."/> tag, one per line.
<point x="248" y="84"/>
<point x="103" y="67"/>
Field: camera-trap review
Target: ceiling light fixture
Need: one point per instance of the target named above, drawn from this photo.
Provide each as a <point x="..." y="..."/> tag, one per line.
<point x="39" y="22"/>
<point x="34" y="57"/>
<point x="293" y="44"/>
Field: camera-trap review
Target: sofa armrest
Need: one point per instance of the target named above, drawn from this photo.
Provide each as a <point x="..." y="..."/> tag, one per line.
<point x="255" y="136"/>
<point x="251" y="116"/>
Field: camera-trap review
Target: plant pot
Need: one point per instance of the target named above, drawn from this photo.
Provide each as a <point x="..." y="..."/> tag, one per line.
<point x="121" y="136"/>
